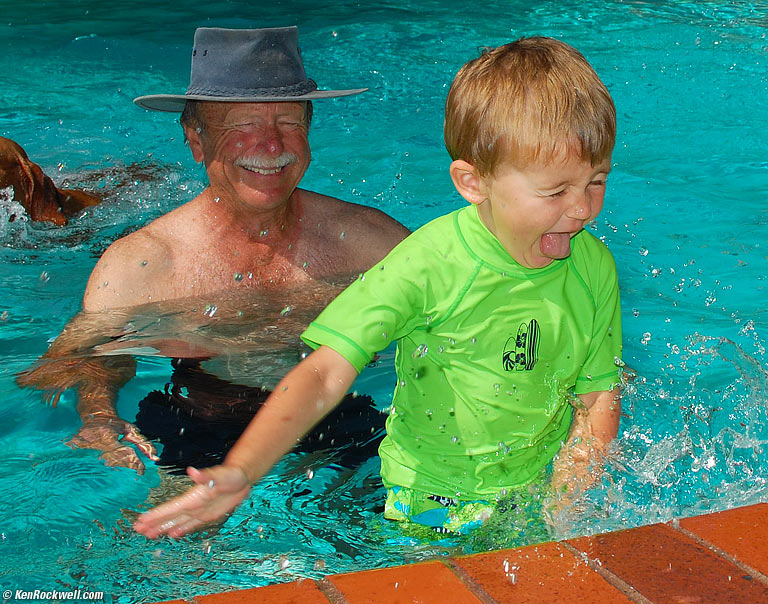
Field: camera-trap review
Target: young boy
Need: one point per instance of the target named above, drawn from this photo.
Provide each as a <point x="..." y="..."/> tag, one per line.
<point x="502" y="312"/>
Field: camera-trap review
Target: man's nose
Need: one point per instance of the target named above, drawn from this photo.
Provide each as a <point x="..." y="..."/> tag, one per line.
<point x="272" y="140"/>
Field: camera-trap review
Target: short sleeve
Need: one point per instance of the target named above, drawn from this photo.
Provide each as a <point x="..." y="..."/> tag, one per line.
<point x="601" y="371"/>
<point x="381" y="306"/>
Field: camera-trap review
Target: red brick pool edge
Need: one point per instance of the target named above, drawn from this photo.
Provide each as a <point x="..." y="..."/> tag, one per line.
<point x="714" y="558"/>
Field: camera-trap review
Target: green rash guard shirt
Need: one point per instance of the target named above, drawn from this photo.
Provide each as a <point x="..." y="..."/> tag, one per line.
<point x="489" y="353"/>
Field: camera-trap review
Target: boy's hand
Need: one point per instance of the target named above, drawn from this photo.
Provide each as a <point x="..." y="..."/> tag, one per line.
<point x="306" y="394"/>
<point x="219" y="490"/>
<point x="579" y="465"/>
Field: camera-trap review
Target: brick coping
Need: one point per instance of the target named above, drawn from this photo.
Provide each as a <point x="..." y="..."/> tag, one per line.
<point x="713" y="558"/>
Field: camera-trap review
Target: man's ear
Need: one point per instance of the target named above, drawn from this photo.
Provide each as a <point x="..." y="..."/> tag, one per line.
<point x="468" y="182"/>
<point x="195" y="140"/>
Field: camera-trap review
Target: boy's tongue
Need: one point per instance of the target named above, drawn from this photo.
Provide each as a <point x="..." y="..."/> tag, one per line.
<point x="555" y="245"/>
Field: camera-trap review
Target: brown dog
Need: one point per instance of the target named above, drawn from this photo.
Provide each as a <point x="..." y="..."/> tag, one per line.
<point x="35" y="191"/>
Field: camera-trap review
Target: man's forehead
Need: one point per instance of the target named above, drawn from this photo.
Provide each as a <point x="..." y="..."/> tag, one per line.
<point x="225" y="110"/>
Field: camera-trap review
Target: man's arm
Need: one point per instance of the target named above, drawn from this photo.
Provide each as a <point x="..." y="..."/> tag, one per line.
<point x="70" y="363"/>
<point x="579" y="463"/>
<point x="307" y="393"/>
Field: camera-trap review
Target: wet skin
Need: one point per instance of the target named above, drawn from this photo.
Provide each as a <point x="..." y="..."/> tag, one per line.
<point x="536" y="210"/>
<point x="255" y="154"/>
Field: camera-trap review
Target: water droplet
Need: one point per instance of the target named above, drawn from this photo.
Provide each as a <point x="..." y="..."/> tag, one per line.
<point x="319" y="564"/>
<point x="310" y="473"/>
<point x="210" y="310"/>
<point x="216" y="199"/>
<point x="643" y="251"/>
<point x="238" y="277"/>
<point x="143" y="263"/>
<point x="284" y="562"/>
<point x="286" y="310"/>
<point x="343" y="234"/>
<point x="264" y="233"/>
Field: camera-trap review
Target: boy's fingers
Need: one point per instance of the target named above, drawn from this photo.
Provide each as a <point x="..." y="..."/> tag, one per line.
<point x="185" y="528"/>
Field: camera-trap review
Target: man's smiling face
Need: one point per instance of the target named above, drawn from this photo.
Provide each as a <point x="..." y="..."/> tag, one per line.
<point x="254" y="153"/>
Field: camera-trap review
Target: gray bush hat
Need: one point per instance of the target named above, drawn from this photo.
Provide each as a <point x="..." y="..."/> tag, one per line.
<point x="244" y="66"/>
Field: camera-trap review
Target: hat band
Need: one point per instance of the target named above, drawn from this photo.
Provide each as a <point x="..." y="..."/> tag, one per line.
<point x="278" y="91"/>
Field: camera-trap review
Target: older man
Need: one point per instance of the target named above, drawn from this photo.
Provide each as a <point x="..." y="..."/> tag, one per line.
<point x="246" y="115"/>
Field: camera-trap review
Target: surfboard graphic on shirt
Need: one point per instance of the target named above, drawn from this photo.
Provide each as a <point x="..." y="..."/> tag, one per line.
<point x="521" y="351"/>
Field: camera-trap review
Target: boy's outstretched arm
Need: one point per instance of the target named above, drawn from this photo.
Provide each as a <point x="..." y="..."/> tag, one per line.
<point x="302" y="398"/>
<point x="578" y="465"/>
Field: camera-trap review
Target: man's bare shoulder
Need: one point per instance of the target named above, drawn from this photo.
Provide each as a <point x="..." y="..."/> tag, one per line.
<point x="368" y="234"/>
<point x="136" y="268"/>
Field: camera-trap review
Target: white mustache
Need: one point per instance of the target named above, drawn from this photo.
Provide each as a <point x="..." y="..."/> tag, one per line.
<point x="255" y="162"/>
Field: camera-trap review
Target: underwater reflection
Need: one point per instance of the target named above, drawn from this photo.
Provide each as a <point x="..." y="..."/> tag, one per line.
<point x="228" y="350"/>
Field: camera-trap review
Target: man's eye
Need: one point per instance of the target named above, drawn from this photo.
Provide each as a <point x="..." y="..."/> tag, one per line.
<point x="598" y="183"/>
<point x="558" y="193"/>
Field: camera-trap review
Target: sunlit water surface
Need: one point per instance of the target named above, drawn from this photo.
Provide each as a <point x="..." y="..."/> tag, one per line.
<point x="686" y="218"/>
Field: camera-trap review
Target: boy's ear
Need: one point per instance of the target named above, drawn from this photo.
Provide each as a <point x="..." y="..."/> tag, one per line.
<point x="467" y="181"/>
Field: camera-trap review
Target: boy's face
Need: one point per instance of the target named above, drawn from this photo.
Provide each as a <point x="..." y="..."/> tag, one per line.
<point x="535" y="211"/>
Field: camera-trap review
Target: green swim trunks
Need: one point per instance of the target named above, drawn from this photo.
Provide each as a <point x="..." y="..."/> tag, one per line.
<point x="442" y="514"/>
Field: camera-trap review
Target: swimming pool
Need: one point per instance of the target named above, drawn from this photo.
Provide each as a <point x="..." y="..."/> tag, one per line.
<point x="685" y="218"/>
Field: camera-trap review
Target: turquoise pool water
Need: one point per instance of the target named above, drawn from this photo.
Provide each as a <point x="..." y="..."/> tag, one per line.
<point x="686" y="218"/>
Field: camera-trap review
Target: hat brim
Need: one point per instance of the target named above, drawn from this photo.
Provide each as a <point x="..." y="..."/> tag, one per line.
<point x="176" y="102"/>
